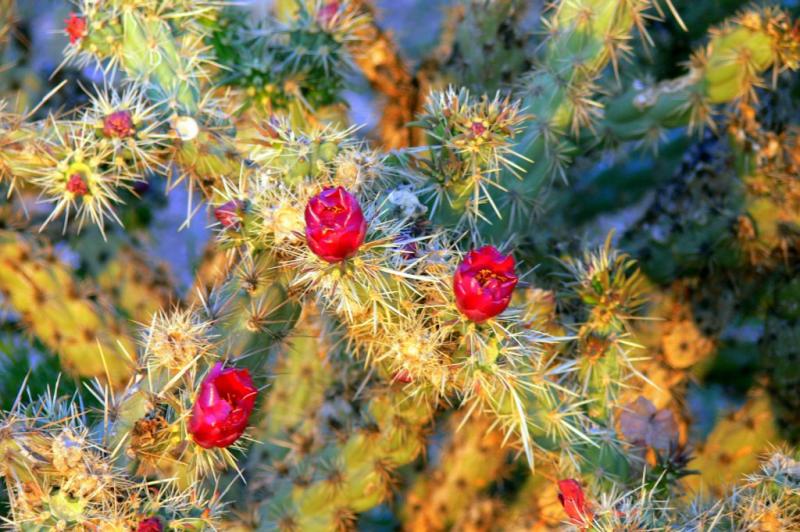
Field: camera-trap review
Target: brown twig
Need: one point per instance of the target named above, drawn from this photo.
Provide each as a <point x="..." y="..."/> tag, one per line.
<point x="377" y="56"/>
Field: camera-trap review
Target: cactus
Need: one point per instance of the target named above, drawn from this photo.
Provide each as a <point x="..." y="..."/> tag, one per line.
<point x="471" y="462"/>
<point x="722" y="459"/>
<point x="138" y="288"/>
<point x="525" y="295"/>
<point x="89" y="341"/>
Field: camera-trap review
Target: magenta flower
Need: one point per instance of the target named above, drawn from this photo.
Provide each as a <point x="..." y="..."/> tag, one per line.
<point x="223" y="407"/>
<point x="483" y="283"/>
<point x="335" y="225"/>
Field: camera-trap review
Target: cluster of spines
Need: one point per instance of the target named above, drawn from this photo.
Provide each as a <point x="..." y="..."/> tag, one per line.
<point x="60" y="473"/>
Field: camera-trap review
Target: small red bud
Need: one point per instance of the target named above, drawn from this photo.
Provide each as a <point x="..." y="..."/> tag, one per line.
<point x="478" y="128"/>
<point x="119" y="124"/>
<point x="402" y="376"/>
<point x="229" y="214"/>
<point x="151" y="524"/>
<point x="75" y="27"/>
<point x="77" y="185"/>
<point x="327" y="12"/>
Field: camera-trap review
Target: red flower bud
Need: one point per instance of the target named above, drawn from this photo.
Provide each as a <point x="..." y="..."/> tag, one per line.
<point x="118" y="124"/>
<point x="151" y="524"/>
<point x="483" y="283"/>
<point x="574" y="501"/>
<point x="77" y="185"/>
<point x="477" y="128"/>
<point x="75" y="27"/>
<point x="335" y="225"/>
<point x="402" y="376"/>
<point x="229" y="214"/>
<point x="327" y="12"/>
<point x="221" y="411"/>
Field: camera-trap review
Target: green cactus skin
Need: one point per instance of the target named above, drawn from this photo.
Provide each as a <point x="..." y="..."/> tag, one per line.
<point x="722" y="458"/>
<point x="137" y="287"/>
<point x="331" y="473"/>
<point x="727" y="69"/>
<point x="254" y="309"/>
<point x="472" y="460"/>
<point x="360" y="476"/>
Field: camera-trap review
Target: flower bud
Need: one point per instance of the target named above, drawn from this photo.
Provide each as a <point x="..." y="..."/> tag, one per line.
<point x="229" y="214"/>
<point x="75" y="27"/>
<point x="335" y="225"/>
<point x="119" y="125"/>
<point x="223" y="407"/>
<point x="402" y="376"/>
<point x="151" y="524"/>
<point x="327" y="12"/>
<point x="77" y="186"/>
<point x="574" y="501"/>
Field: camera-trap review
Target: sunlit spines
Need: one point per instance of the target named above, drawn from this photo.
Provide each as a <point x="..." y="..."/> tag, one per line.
<point x="296" y="63"/>
<point x="729" y="68"/>
<point x="611" y="285"/>
<point x="471" y="142"/>
<point x="766" y="500"/>
<point x="23" y="150"/>
<point x="610" y="292"/>
<point x="158" y="44"/>
<point x="81" y="177"/>
<point x="129" y="123"/>
<point x="175" y="343"/>
<point x="60" y="475"/>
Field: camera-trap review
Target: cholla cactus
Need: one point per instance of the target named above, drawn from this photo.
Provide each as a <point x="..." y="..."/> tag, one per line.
<point x="503" y="314"/>
<point x="61" y="474"/>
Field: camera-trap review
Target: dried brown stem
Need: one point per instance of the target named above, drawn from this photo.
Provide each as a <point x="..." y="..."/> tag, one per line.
<point x="377" y="56"/>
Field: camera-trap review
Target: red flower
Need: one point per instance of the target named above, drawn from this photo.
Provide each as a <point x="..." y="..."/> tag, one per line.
<point x="222" y="408"/>
<point x="229" y="214"/>
<point x="77" y="185"/>
<point x="118" y="124"/>
<point x="151" y="524"/>
<point x="335" y="224"/>
<point x="75" y="27"/>
<point x="483" y="283"/>
<point x="574" y="501"/>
